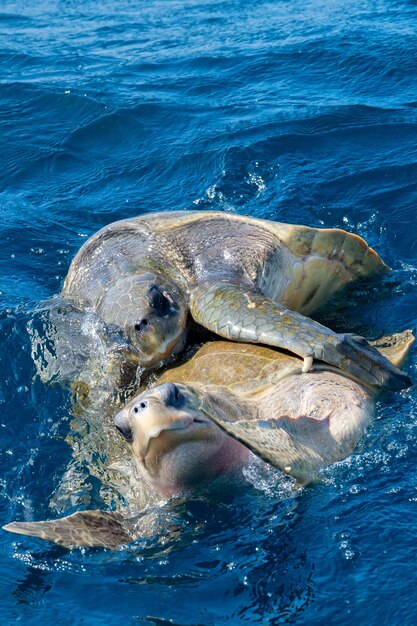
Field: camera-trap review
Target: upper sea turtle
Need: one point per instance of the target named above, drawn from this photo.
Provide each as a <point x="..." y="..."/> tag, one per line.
<point x="255" y="394"/>
<point x="243" y="278"/>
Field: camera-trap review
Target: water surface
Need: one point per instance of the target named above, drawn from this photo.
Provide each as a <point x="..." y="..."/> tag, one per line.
<point x="303" y="112"/>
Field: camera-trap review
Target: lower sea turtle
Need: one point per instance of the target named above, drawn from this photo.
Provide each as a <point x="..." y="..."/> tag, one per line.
<point x="201" y="418"/>
<point x="245" y="279"/>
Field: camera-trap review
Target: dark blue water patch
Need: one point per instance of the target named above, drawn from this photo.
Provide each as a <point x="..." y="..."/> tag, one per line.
<point x="303" y="112"/>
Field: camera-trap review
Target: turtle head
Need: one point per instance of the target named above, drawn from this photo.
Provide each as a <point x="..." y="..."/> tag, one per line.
<point x="176" y="446"/>
<point x="151" y="312"/>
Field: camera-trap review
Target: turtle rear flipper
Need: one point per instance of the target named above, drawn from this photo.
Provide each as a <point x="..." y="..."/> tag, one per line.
<point x="104" y="529"/>
<point x="321" y="263"/>
<point x="245" y="315"/>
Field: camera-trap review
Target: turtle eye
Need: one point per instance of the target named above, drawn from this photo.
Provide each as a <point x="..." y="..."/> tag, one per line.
<point x="171" y="395"/>
<point x="160" y="302"/>
<point x="141" y="325"/>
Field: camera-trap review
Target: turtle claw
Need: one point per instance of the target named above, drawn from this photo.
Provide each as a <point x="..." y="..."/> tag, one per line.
<point x="308" y="364"/>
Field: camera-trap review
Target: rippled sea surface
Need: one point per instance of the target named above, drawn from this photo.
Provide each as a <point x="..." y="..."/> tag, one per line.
<point x="299" y="111"/>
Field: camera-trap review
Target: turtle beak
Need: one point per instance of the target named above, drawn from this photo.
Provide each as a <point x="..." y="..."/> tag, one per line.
<point x="122" y="343"/>
<point x="161" y="410"/>
<point x="118" y="338"/>
<point x="123" y="426"/>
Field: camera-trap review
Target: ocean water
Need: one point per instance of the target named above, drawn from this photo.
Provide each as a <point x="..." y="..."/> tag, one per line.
<point x="303" y="112"/>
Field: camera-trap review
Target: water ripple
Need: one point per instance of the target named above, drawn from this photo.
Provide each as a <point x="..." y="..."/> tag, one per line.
<point x="301" y="111"/>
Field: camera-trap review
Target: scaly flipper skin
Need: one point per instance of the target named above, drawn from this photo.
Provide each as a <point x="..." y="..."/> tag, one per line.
<point x="281" y="442"/>
<point x="83" y="528"/>
<point x="231" y="312"/>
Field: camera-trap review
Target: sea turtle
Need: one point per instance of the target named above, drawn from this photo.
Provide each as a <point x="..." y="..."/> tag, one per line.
<point x="261" y="401"/>
<point x="245" y="279"/>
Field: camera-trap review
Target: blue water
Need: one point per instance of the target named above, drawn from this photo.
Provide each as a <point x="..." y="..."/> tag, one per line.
<point x="300" y="111"/>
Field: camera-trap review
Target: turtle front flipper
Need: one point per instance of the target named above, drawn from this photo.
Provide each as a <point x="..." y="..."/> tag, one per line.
<point x="294" y="446"/>
<point x="245" y="315"/>
<point x="104" y="529"/>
